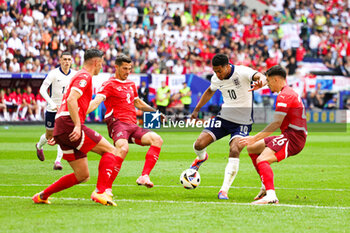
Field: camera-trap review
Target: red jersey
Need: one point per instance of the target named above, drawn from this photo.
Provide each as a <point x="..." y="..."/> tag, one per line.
<point x="288" y="103"/>
<point x="17" y="97"/>
<point x="119" y="99"/>
<point x="40" y="98"/>
<point x="9" y="99"/>
<point x="81" y="82"/>
<point x="29" y="98"/>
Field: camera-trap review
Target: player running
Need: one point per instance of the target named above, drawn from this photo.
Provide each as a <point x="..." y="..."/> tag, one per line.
<point x="56" y="82"/>
<point x="76" y="140"/>
<point x="291" y="119"/>
<point x="234" y="82"/>
<point x="120" y="97"/>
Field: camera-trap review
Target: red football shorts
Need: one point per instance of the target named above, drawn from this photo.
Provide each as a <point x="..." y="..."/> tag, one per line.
<point x="290" y="143"/>
<point x="78" y="149"/>
<point x="122" y="130"/>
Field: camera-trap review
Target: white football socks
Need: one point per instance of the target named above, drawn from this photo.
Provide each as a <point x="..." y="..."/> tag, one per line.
<point x="230" y="173"/>
<point x="42" y="141"/>
<point x="24" y="112"/>
<point x="271" y="194"/>
<point x="200" y="153"/>
<point x="59" y="154"/>
<point x="6" y="116"/>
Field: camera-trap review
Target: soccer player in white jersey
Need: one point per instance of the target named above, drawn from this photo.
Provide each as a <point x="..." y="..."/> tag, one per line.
<point x="56" y="82"/>
<point x="235" y="84"/>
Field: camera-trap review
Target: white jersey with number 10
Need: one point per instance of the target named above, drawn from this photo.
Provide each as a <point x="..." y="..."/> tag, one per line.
<point x="238" y="101"/>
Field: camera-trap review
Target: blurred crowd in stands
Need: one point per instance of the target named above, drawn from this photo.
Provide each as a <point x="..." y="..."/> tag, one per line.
<point x="162" y="40"/>
<point x="35" y="32"/>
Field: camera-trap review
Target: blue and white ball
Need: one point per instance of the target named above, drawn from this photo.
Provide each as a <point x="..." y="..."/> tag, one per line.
<point x="190" y="178"/>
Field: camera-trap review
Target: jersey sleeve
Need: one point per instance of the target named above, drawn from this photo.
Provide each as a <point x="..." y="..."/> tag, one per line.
<point x="213" y="87"/>
<point x="283" y="104"/>
<point x="104" y="90"/>
<point x="136" y="96"/>
<point x="247" y="72"/>
<point x="43" y="89"/>
<point x="80" y="83"/>
<point x="50" y="78"/>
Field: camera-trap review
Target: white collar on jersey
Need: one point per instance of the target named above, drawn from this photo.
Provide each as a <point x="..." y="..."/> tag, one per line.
<point x="63" y="72"/>
<point x="121" y="81"/>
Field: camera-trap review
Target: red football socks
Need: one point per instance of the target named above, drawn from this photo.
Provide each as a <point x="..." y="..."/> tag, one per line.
<point x="266" y="175"/>
<point x="105" y="170"/>
<point x="151" y="159"/>
<point x="64" y="182"/>
<point x="254" y="157"/>
<point x="115" y="172"/>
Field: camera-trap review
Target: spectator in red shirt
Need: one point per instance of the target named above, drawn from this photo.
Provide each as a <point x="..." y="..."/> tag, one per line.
<point x="300" y="53"/>
<point x="103" y="45"/>
<point x="267" y="19"/>
<point x="27" y="8"/>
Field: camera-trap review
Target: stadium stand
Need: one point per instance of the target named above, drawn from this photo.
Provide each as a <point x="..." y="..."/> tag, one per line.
<point x="176" y="37"/>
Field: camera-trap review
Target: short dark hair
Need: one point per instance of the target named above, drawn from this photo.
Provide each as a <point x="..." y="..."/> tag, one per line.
<point x="276" y="70"/>
<point x="66" y="53"/>
<point x="92" y="53"/>
<point x="122" y="58"/>
<point x="219" y="60"/>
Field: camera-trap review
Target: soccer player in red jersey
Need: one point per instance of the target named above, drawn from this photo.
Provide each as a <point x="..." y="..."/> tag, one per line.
<point x="10" y="101"/>
<point x="120" y="98"/>
<point x="75" y="139"/>
<point x="29" y="102"/>
<point x="3" y="106"/>
<point x="291" y="119"/>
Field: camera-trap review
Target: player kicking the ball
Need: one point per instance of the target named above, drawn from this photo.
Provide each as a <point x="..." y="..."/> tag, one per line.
<point x="76" y="140"/>
<point x="120" y="98"/>
<point x="291" y="119"/>
<point x="234" y="82"/>
<point x="57" y="81"/>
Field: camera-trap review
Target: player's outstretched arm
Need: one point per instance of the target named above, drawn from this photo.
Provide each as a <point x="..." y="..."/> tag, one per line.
<point x="204" y="99"/>
<point x="272" y="127"/>
<point x="259" y="81"/>
<point x="95" y="103"/>
<point x="72" y="103"/>
<point x="43" y="91"/>
<point x="140" y="104"/>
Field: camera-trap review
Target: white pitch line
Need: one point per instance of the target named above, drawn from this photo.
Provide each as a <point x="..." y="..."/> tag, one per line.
<point x="179" y="186"/>
<point x="193" y="202"/>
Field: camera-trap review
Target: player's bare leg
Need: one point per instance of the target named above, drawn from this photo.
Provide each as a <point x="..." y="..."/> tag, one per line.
<point x="80" y="175"/>
<point x="254" y="151"/>
<point x="200" y="146"/>
<point x="231" y="169"/>
<point x="263" y="164"/>
<point x="155" y="142"/>
<point x="31" y="112"/>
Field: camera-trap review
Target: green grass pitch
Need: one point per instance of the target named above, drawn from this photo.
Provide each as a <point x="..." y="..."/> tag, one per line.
<point x="313" y="188"/>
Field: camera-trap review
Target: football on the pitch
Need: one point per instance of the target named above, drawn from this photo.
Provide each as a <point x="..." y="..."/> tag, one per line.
<point x="190" y="178"/>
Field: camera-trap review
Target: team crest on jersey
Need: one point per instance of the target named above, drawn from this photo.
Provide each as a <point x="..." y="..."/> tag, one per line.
<point x="82" y="83"/>
<point x="237" y="82"/>
<point x="119" y="88"/>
